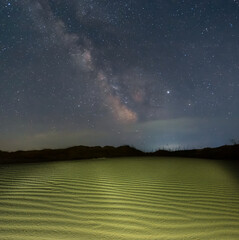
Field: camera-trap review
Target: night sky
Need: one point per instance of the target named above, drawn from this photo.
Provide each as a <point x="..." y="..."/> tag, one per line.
<point x="152" y="74"/>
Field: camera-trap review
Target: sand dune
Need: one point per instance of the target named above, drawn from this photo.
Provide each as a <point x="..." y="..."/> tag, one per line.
<point x="130" y="198"/>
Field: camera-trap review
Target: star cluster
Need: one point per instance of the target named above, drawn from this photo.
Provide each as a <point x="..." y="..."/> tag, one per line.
<point x="146" y="73"/>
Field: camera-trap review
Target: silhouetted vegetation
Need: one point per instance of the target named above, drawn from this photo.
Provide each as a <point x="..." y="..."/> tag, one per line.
<point x="230" y="152"/>
<point x="227" y="152"/>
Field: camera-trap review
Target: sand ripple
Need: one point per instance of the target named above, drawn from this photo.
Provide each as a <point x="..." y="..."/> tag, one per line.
<point x="146" y="198"/>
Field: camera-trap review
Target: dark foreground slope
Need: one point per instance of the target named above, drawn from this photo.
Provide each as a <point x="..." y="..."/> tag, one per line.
<point x="227" y="152"/>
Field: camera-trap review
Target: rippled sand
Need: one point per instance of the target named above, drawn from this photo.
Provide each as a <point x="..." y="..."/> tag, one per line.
<point x="127" y="198"/>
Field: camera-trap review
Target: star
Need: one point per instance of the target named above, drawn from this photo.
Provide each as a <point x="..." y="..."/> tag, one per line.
<point x="123" y="65"/>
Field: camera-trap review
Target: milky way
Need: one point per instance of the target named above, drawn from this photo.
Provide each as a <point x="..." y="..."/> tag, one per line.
<point x="145" y="73"/>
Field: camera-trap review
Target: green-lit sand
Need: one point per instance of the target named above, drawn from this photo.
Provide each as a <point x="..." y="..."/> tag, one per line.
<point x="127" y="198"/>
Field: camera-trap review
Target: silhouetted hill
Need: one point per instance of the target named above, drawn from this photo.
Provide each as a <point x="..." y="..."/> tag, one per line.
<point x="230" y="152"/>
<point x="79" y="152"/>
<point x="227" y="152"/>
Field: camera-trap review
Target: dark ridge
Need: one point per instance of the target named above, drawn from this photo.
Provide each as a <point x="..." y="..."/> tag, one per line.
<point x="72" y="153"/>
<point x="227" y="152"/>
<point x="230" y="152"/>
